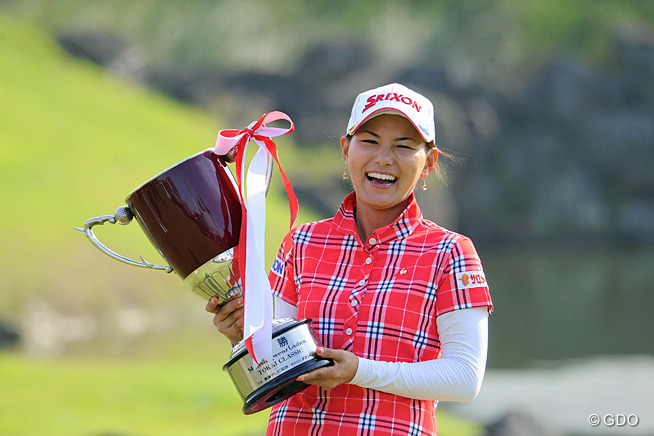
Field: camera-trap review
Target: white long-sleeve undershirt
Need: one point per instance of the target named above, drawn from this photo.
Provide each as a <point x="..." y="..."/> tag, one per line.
<point x="282" y="309"/>
<point x="456" y="376"/>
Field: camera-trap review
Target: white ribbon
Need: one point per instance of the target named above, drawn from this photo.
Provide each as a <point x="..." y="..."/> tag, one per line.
<point x="257" y="293"/>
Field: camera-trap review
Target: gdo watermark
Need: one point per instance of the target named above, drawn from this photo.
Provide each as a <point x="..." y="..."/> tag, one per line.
<point x="614" y="420"/>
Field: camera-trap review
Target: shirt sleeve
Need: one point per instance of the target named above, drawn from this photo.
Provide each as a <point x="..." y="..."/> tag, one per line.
<point x="456" y="376"/>
<point x="282" y="277"/>
<point x="462" y="282"/>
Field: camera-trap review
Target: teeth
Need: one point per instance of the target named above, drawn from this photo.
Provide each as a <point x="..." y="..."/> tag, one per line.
<point x="382" y="176"/>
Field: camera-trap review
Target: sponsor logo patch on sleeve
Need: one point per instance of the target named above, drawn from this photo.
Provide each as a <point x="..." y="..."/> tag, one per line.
<point x="278" y="267"/>
<point x="470" y="279"/>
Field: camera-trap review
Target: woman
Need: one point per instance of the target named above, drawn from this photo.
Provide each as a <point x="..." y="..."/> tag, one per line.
<point x="400" y="303"/>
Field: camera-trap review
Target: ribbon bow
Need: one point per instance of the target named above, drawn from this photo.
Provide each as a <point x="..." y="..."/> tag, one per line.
<point x="257" y="293"/>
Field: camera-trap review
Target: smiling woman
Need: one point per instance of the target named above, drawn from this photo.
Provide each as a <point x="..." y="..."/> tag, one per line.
<point x="388" y="291"/>
<point x="385" y="158"/>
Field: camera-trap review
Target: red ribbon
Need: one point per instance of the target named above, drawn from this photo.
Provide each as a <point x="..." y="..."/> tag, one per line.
<point x="261" y="134"/>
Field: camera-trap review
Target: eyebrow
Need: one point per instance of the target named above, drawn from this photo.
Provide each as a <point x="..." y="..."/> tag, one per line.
<point x="371" y="133"/>
<point x="401" y="138"/>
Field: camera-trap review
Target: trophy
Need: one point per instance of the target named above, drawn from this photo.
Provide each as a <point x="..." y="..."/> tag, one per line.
<point x="192" y="215"/>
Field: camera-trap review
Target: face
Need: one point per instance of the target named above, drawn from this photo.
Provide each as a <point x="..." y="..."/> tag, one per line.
<point x="386" y="156"/>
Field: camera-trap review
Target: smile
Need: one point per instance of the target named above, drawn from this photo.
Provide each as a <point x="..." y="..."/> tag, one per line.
<point x="381" y="179"/>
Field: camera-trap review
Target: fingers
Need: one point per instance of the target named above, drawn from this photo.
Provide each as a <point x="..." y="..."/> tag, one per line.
<point x="225" y="321"/>
<point x="213" y="305"/>
<point x="228" y="318"/>
<point x="341" y="372"/>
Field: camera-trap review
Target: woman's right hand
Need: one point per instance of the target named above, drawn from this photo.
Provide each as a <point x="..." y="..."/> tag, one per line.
<point x="228" y="318"/>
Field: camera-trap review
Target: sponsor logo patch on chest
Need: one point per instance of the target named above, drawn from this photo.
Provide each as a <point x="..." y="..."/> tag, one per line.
<point x="470" y="279"/>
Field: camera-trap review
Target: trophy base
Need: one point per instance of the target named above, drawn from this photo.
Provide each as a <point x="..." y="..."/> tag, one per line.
<point x="279" y="390"/>
<point x="294" y="353"/>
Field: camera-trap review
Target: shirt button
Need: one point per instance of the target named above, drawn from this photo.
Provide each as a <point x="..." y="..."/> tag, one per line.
<point x="353" y="303"/>
<point x="362" y="282"/>
<point x="372" y="241"/>
<point x="348" y="331"/>
<point x="369" y="261"/>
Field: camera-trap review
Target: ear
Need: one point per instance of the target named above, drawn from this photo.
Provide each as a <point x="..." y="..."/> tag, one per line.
<point x="345" y="147"/>
<point x="430" y="163"/>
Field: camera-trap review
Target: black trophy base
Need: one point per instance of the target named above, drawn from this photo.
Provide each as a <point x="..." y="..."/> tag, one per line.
<point x="281" y="388"/>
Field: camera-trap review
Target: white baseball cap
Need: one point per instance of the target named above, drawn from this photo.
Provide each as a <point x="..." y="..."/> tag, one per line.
<point x="394" y="99"/>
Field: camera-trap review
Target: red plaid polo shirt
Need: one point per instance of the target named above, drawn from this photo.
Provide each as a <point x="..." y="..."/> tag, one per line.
<point x="379" y="299"/>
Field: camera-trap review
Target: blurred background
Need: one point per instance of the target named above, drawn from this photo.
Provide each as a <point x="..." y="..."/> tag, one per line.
<point x="547" y="108"/>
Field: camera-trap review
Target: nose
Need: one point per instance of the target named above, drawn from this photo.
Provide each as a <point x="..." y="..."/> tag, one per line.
<point x="384" y="155"/>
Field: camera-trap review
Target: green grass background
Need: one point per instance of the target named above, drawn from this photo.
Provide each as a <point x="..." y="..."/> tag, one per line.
<point x="74" y="142"/>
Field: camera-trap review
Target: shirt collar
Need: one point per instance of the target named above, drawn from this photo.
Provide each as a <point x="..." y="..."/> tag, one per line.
<point x="402" y="227"/>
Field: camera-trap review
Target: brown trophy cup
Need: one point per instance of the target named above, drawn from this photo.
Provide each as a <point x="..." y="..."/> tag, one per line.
<point x="191" y="213"/>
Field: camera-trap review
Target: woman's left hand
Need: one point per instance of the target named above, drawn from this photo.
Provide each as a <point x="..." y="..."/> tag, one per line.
<point x="342" y="371"/>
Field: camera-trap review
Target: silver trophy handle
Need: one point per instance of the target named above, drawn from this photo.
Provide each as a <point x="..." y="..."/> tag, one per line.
<point x="122" y="216"/>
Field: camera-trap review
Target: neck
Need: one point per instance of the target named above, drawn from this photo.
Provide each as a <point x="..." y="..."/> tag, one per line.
<point x="368" y="220"/>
